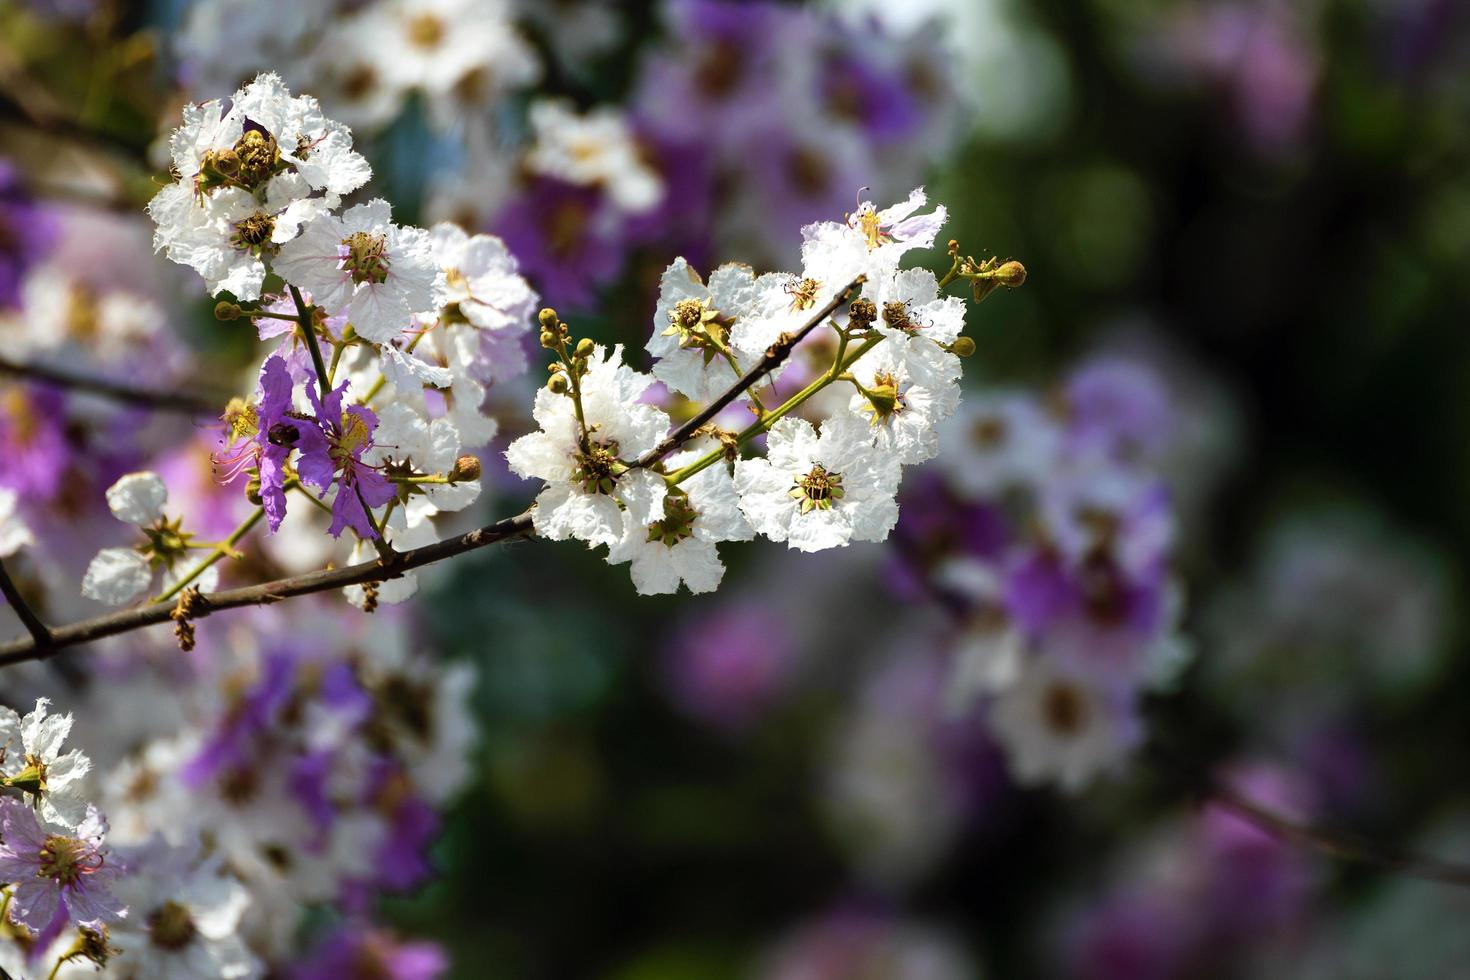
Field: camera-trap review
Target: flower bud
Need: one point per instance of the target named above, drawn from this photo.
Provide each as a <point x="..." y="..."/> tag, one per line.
<point x="1011" y="274"/>
<point x="548" y="319"/>
<point x="226" y="311"/>
<point x="548" y="339"/>
<point x="465" y="468"/>
<point x="585" y="347"/>
<point x="252" y="490"/>
<point x="963" y="347"/>
<point x="557" y="385"/>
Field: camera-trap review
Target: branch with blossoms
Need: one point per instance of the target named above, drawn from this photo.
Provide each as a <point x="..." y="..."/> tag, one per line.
<point x="389" y="336"/>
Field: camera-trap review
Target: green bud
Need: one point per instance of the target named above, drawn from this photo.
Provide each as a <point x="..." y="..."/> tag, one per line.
<point x="548" y="340"/>
<point x="584" y="348"/>
<point x="557" y="385"/>
<point x="226" y="311"/>
<point x="252" y="490"/>
<point x="31" y="779"/>
<point x="548" y="319"/>
<point x="963" y="346"/>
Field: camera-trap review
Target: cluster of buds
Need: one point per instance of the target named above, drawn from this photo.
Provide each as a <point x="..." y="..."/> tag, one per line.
<point x="985" y="277"/>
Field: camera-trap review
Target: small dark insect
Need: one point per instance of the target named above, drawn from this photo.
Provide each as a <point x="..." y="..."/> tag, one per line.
<point x="282" y="434"/>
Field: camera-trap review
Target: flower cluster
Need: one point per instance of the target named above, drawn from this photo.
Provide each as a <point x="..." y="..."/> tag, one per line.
<point x="612" y="478"/>
<point x="388" y="336"/>
<point x="1060" y="577"/>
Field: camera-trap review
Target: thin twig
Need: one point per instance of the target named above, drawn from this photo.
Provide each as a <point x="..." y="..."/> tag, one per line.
<point x="1337" y="844"/>
<point x="172" y="401"/>
<point x="19" y="651"/>
<point x="40" y="635"/>
<point x="773" y="358"/>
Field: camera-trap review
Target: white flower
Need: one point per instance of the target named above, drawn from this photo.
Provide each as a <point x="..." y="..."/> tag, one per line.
<point x="586" y="484"/>
<point x="485" y="305"/>
<point x="910" y="308"/>
<point x="693" y="326"/>
<point x="1002" y="440"/>
<point x="118" y="575"/>
<point x="593" y="149"/>
<point x="315" y="147"/>
<point x="817" y="492"/>
<point x="362" y="263"/>
<point x="462" y="54"/>
<point x="185" y="919"/>
<point x="408" y="444"/>
<point x="482" y="280"/>
<point x="990" y="651"/>
<point x="228" y="237"/>
<point x="1057" y="726"/>
<point x="32" y="761"/>
<point x="701" y="512"/>
<point x="909" y="389"/>
<point x="891" y="232"/>
<point x="14" y="535"/>
<point x="247" y="177"/>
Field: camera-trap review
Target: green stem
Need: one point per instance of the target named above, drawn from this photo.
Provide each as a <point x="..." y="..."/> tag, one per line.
<point x="954" y="270"/>
<point x="839" y="365"/>
<point x="221" y="550"/>
<point x="308" y="333"/>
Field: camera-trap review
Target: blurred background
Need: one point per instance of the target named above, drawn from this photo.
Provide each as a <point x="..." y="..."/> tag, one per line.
<point x="1245" y="225"/>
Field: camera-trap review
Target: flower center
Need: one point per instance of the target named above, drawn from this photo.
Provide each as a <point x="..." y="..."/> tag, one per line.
<point x="803" y="293"/>
<point x="719" y="70"/>
<point x="353" y="438"/>
<point x="241" y="419"/>
<point x="884" y="401"/>
<point x="67" y="859"/>
<point x="699" y="327"/>
<point x="82" y="317"/>
<point x="1103" y="589"/>
<point x="866" y="221"/>
<point x="365" y="257"/>
<point x="988" y="433"/>
<point x="1064" y="709"/>
<point x="425" y="31"/>
<point x="818" y="490"/>
<point x="808" y="171"/>
<point x="678" y="522"/>
<point x="361" y="82"/>
<point x="896" y="315"/>
<point x="258" y="155"/>
<point x="597" y="467"/>
<point x="254" y="233"/>
<point x="170" y="926"/>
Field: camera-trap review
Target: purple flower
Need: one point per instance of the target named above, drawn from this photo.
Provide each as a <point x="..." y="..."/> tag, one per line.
<point x="1118" y="409"/>
<point x="359" y="950"/>
<point x="267" y="439"/>
<point x="57" y="875"/>
<point x="33" y="442"/>
<point x="348" y="434"/>
<point x="875" y="96"/>
<point x="726" y="667"/>
<point x="569" y="239"/>
<point x="27" y="230"/>
<point x="249" y="718"/>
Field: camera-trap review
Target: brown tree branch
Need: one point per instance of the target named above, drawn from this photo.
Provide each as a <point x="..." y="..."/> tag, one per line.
<point x="172" y="401"/>
<point x="127" y="620"/>
<point x="40" y="635"/>
<point x="1336" y="844"/>
<point x="773" y="358"/>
